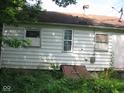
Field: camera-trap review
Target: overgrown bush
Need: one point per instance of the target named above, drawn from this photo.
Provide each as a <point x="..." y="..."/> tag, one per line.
<point x="83" y="86"/>
<point x="56" y="73"/>
<point x="24" y="81"/>
<point x="42" y="81"/>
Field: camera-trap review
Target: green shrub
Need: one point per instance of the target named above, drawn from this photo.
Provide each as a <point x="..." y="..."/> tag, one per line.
<point x="42" y="81"/>
<point x="110" y="73"/>
<point x="56" y="73"/>
<point x="25" y="81"/>
<point x="83" y="86"/>
<point x="14" y="42"/>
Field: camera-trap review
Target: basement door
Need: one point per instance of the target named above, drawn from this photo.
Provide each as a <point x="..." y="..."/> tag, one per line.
<point x="118" y="51"/>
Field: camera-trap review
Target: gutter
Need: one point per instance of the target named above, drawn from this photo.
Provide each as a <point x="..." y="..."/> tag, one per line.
<point x="38" y="24"/>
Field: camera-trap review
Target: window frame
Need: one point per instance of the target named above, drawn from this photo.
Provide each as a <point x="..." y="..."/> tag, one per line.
<point x="32" y="46"/>
<point x="98" y="42"/>
<point x="68" y="40"/>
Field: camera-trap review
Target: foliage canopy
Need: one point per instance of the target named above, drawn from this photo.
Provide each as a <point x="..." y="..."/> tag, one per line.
<point x="16" y="10"/>
<point x="22" y="10"/>
<point x="64" y="3"/>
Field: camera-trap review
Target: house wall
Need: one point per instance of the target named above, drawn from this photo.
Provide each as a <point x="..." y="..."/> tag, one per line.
<point x="51" y="50"/>
<point x="118" y="50"/>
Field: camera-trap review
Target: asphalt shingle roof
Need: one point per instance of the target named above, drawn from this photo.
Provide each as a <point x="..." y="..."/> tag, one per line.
<point x="80" y="19"/>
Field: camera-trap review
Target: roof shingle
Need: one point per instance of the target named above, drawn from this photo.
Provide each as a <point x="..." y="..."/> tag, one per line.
<point x="80" y="19"/>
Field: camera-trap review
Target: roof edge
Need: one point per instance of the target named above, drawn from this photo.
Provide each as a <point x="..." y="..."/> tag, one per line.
<point x="69" y="25"/>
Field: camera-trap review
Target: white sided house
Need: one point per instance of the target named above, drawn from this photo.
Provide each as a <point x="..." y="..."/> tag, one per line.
<point x="94" y="41"/>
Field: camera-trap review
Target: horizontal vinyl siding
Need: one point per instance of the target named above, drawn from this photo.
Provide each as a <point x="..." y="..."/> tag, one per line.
<point x="51" y="51"/>
<point x="105" y="57"/>
<point x="84" y="47"/>
<point x="36" y="59"/>
<point x="51" y="43"/>
<point x="17" y="32"/>
<point x="51" y="39"/>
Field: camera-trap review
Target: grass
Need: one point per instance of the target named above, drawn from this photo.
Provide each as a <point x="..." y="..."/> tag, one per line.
<point x="45" y="81"/>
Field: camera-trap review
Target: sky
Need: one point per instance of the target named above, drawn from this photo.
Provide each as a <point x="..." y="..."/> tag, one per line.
<point x="96" y="7"/>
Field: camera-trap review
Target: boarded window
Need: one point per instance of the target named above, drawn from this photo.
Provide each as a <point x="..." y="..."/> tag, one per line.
<point x="102" y="38"/>
<point x="67" y="40"/>
<point x="34" y="36"/>
<point x="101" y="42"/>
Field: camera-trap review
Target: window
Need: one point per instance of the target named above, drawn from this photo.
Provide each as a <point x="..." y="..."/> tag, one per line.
<point x="101" y="42"/>
<point x="34" y="36"/>
<point x="67" y="40"/>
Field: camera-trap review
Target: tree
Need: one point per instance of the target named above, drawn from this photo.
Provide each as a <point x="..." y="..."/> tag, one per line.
<point x="12" y="11"/>
<point x="30" y="13"/>
<point x="9" y="10"/>
<point x="64" y="3"/>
